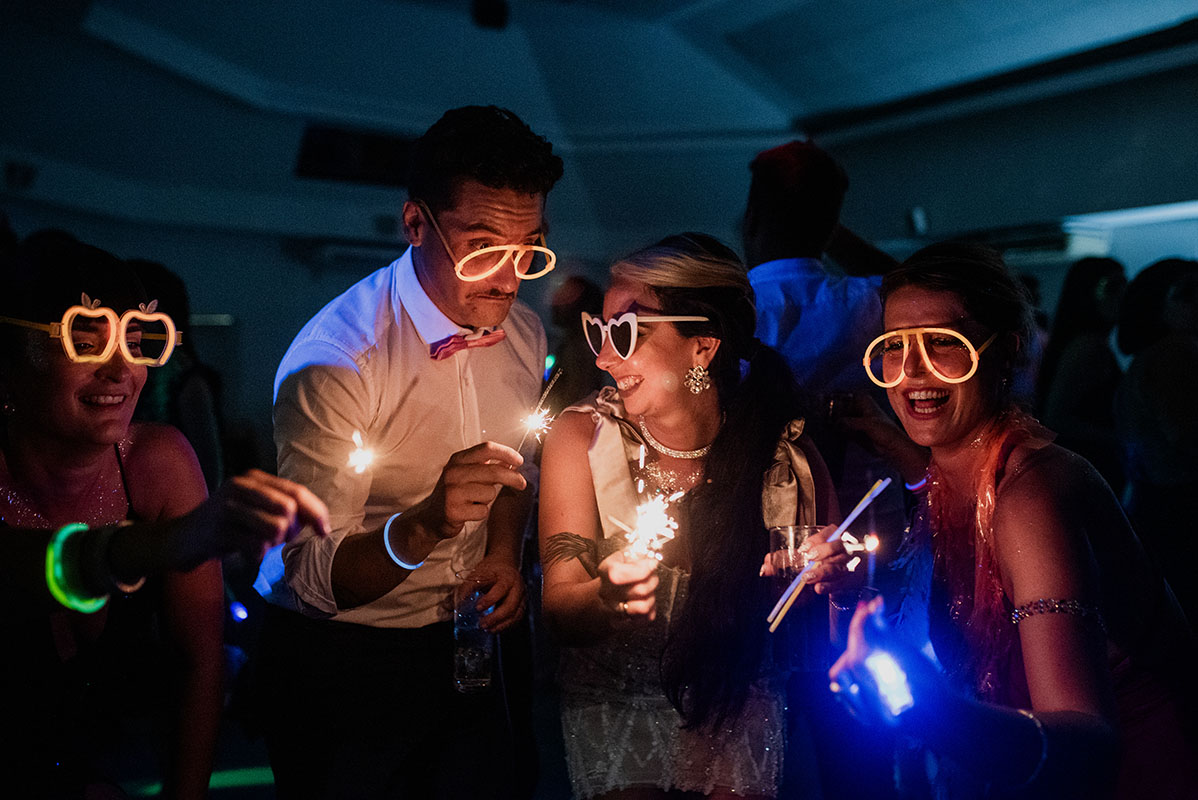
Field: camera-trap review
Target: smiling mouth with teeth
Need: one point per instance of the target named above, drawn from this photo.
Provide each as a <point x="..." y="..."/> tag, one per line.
<point x="926" y="401"/>
<point x="626" y="384"/>
<point x="104" y="399"/>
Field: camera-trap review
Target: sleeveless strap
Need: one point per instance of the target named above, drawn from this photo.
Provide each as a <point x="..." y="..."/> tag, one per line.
<point x="120" y="465"/>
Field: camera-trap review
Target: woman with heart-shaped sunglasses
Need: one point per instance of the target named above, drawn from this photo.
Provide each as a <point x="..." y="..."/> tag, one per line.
<point x="77" y="335"/>
<point x="670" y="686"/>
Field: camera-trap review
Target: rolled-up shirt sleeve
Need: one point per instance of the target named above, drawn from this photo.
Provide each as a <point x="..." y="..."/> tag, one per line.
<point x="317" y="410"/>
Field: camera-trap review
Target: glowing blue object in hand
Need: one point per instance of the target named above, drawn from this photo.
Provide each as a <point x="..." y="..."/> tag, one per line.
<point x="893" y="688"/>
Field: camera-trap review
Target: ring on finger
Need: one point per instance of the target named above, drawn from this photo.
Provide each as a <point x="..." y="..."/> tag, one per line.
<point x="623" y="606"/>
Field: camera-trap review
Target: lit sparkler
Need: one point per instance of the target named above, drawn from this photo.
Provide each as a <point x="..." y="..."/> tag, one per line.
<point x="361" y="456"/>
<point x="654" y="527"/>
<point x="540" y="419"/>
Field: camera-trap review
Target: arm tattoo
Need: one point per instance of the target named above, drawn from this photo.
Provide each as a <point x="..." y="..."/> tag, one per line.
<point x="565" y="546"/>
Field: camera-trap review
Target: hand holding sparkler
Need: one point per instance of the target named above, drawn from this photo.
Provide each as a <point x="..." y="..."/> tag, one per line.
<point x="632" y="571"/>
<point x="628" y="587"/>
<point x="468" y="485"/>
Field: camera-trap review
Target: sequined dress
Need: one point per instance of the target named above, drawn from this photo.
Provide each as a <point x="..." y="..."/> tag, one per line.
<point x="620" y="730"/>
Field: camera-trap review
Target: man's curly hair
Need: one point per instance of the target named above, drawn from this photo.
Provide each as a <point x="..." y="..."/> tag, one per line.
<point x="487" y="144"/>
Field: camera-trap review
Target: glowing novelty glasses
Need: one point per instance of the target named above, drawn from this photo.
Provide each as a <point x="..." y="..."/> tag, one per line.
<point x="946" y="353"/>
<point x="95" y="334"/>
<point x="621" y="330"/>
<point x="531" y="261"/>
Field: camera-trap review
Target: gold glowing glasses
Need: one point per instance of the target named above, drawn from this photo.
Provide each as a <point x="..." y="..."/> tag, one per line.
<point x="531" y="261"/>
<point x="94" y="334"/>
<point x="945" y="352"/>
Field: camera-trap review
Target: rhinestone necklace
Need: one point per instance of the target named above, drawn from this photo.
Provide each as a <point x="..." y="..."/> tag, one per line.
<point x="669" y="451"/>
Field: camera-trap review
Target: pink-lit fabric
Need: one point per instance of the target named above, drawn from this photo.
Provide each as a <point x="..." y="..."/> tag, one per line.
<point x="966" y="559"/>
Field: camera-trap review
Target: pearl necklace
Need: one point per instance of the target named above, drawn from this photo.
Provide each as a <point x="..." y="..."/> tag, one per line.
<point x="669" y="451"/>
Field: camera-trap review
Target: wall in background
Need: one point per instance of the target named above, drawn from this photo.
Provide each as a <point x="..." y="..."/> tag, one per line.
<point x="1117" y="146"/>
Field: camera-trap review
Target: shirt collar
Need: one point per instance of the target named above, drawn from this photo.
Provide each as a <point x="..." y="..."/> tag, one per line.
<point x="431" y="323"/>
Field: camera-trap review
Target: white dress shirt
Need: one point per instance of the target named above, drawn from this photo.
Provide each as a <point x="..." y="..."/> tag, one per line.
<point x="362" y="364"/>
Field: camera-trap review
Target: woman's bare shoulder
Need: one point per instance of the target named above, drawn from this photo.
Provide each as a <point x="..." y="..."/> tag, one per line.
<point x="163" y="471"/>
<point x="1047" y="505"/>
<point x="571" y="428"/>
<point x="1049" y="474"/>
<point x="148" y="439"/>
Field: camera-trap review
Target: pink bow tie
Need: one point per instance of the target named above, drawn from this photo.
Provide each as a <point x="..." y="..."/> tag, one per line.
<point x="446" y="347"/>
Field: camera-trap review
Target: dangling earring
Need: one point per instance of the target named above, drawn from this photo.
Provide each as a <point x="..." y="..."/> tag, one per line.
<point x="697" y="379"/>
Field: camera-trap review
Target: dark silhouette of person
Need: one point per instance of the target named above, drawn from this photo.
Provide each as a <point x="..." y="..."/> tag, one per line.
<point x="1079" y="373"/>
<point x="1156" y="412"/>
<point x="185" y="392"/>
<point x="822" y="319"/>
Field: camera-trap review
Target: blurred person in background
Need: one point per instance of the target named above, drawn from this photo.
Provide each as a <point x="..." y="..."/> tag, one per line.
<point x="185" y="392"/>
<point x="1156" y="413"/>
<point x="1079" y="373"/>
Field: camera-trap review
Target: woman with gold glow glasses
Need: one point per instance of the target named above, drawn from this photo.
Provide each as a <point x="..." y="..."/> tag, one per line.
<point x="1053" y="632"/>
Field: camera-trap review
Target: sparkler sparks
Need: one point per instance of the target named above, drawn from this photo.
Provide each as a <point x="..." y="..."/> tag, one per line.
<point x="654" y="527"/>
<point x="853" y="545"/>
<point x="540" y="419"/>
<point x="361" y="456"/>
<point x="537" y="423"/>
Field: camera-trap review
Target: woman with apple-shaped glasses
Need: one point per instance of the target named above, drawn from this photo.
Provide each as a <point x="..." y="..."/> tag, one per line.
<point x="77" y="335"/>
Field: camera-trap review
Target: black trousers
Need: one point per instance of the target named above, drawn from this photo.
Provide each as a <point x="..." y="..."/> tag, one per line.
<point x="354" y="712"/>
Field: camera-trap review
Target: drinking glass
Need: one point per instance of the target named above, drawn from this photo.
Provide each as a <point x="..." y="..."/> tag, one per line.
<point x="473" y="646"/>
<point x="785" y="541"/>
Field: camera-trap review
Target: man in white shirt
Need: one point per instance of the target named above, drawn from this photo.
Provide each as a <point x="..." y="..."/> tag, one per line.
<point x="431" y="364"/>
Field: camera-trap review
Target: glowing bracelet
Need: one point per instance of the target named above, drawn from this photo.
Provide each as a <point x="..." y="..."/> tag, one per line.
<point x="387" y="544"/>
<point x="56" y="580"/>
<point x="915" y="487"/>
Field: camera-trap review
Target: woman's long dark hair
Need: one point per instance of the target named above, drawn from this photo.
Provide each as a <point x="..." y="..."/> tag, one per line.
<point x="717" y="640"/>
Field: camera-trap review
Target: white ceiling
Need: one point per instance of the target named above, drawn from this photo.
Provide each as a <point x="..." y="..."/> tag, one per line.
<point x="191" y="113"/>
